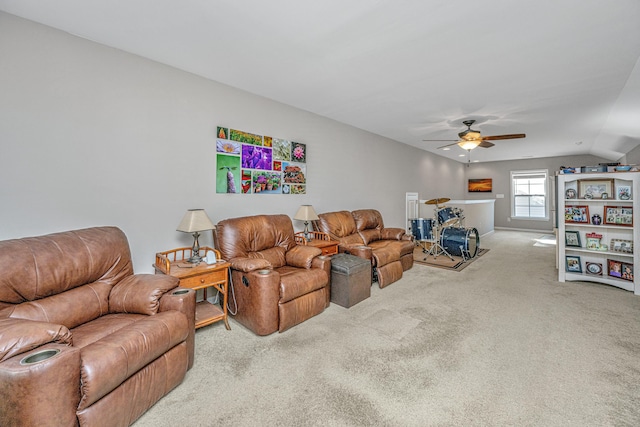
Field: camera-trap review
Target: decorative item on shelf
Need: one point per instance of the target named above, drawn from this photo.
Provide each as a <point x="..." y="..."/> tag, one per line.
<point x="624" y="192"/>
<point x="614" y="268"/>
<point x="573" y="264"/>
<point x="624" y="246"/>
<point x="572" y="238"/>
<point x="618" y="215"/>
<point x="594" y="268"/>
<point x="570" y="193"/>
<point x="593" y="241"/>
<point x="306" y="213"/>
<point x="596" y="219"/>
<point x="579" y="214"/>
<point x="627" y="271"/>
<point x="195" y="221"/>
<point x="594" y="188"/>
<point x="623" y="168"/>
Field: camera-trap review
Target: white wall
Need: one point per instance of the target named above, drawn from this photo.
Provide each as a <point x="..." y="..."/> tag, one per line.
<point x="91" y="136"/>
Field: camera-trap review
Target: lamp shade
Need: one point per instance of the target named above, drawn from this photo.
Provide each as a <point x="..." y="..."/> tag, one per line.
<point x="195" y="220"/>
<point x="306" y="213"/>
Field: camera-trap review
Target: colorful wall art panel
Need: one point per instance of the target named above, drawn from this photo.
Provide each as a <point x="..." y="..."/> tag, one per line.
<point x="249" y="163"/>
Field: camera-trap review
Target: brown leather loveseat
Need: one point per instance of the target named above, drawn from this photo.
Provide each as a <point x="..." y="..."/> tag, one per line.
<point x="362" y="233"/>
<point x="276" y="283"/>
<point x="83" y="340"/>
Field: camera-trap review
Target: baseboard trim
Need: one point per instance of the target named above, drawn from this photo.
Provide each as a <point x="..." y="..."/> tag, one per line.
<point x="524" y="229"/>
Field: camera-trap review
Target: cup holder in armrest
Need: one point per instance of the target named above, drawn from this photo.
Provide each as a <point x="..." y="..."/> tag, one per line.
<point x="39" y="356"/>
<point x="264" y="272"/>
<point x="181" y="292"/>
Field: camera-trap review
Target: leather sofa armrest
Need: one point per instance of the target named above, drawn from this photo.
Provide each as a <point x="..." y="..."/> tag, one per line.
<point x="41" y="387"/>
<point x="140" y="293"/>
<point x="302" y="256"/>
<point x="361" y="251"/>
<point x="184" y="301"/>
<point x="247" y="265"/>
<point x="257" y="294"/>
<point x="392" y="233"/>
<point x="21" y="335"/>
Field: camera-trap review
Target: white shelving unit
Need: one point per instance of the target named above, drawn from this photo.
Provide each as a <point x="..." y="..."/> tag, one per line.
<point x="578" y="193"/>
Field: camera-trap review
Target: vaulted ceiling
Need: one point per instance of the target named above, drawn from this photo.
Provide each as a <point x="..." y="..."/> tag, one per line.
<point x="566" y="72"/>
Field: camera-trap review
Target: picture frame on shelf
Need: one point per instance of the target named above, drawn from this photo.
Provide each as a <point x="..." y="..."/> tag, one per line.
<point x="573" y="264"/>
<point x="572" y="238"/>
<point x="627" y="271"/>
<point x="595" y="188"/>
<point x="594" y="268"/>
<point x="620" y="245"/>
<point x="623" y="192"/>
<point x="618" y="215"/>
<point x="593" y="241"/>
<point x="614" y="268"/>
<point x="576" y="214"/>
<point x="570" y="193"/>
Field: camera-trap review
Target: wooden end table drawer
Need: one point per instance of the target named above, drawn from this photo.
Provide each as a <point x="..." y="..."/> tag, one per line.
<point x="204" y="280"/>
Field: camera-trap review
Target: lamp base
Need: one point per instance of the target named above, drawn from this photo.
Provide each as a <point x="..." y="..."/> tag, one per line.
<point x="195" y="257"/>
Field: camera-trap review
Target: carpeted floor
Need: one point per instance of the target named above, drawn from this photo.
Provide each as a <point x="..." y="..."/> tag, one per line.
<point x="501" y="343"/>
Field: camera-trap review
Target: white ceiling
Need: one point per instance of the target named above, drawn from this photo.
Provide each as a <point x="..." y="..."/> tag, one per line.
<point x="565" y="72"/>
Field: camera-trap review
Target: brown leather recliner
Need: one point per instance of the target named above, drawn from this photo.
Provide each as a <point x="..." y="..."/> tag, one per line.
<point x="83" y="340"/>
<point x="277" y="284"/>
<point x="362" y="233"/>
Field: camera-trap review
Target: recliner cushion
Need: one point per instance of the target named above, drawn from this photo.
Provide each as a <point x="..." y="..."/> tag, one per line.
<point x="367" y="218"/>
<point x="340" y="224"/>
<point x="275" y="256"/>
<point x="111" y="360"/>
<point x="295" y="282"/>
<point x="370" y="235"/>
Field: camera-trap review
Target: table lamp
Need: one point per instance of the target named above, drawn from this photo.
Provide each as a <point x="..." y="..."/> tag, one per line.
<point x="306" y="213"/>
<point x="195" y="221"/>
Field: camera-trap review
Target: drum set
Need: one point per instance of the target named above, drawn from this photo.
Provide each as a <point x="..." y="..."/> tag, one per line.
<point x="445" y="233"/>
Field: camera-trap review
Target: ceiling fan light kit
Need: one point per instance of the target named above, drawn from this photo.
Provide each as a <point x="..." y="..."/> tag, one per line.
<point x="469" y="145"/>
<point x="470" y="139"/>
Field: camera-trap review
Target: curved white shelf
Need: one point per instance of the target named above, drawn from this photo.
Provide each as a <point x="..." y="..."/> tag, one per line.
<point x="608" y="231"/>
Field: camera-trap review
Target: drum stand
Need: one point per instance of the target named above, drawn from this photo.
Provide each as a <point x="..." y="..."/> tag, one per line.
<point x="436" y="248"/>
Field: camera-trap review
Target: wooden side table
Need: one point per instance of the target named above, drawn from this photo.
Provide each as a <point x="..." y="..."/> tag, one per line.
<point x="201" y="276"/>
<point x="319" y="240"/>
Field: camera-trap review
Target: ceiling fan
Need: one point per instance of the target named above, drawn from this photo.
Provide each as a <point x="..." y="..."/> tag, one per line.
<point x="470" y="139"/>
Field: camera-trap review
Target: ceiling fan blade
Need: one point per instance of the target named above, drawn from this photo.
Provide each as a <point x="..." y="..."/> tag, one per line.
<point x="439" y="140"/>
<point x="448" y="145"/>
<point x="498" y="137"/>
<point x="486" y="144"/>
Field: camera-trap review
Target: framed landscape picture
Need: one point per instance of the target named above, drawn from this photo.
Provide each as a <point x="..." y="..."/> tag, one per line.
<point x="484" y="185"/>
<point x="595" y="189"/>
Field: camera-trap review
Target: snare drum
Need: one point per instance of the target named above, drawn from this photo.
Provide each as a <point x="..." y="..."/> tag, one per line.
<point x="421" y="228"/>
<point x="447" y="217"/>
<point x="463" y="242"/>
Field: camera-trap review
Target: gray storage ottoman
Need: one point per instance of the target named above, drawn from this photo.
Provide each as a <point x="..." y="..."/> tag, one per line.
<point x="350" y="279"/>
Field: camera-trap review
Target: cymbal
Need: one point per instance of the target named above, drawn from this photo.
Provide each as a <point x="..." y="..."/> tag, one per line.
<point x="437" y="201"/>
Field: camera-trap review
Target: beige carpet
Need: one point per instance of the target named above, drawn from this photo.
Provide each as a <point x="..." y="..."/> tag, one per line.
<point x="501" y="343"/>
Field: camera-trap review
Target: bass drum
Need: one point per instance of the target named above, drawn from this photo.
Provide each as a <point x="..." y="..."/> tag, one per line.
<point x="421" y="229"/>
<point x="462" y="242"/>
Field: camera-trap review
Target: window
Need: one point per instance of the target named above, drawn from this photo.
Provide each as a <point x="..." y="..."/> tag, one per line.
<point x="529" y="194"/>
